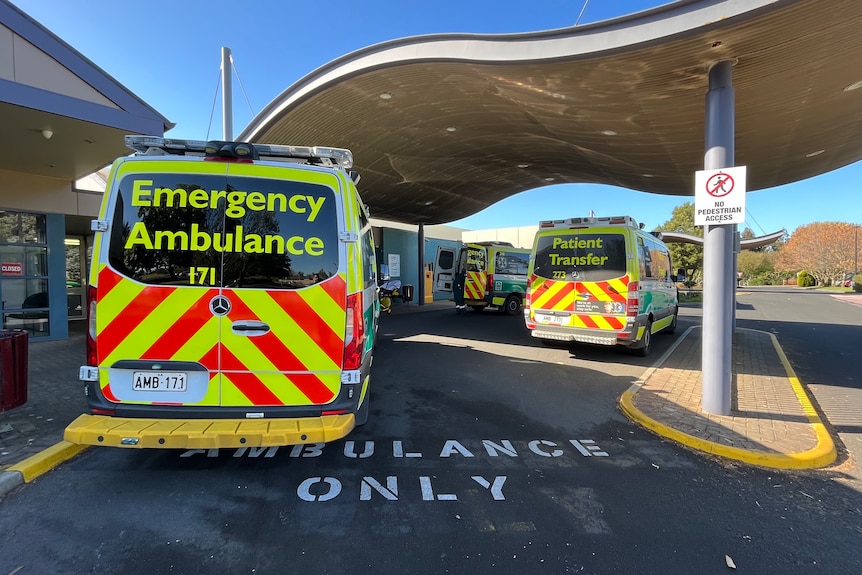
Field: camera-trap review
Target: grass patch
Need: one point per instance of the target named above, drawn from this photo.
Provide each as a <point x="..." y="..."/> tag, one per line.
<point x="839" y="289"/>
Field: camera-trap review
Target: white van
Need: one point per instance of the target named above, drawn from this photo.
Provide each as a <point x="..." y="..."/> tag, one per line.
<point x="231" y="298"/>
<point x="600" y="280"/>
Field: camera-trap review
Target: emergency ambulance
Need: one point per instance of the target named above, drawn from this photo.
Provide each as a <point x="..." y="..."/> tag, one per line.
<point x="600" y="280"/>
<point x="495" y="275"/>
<point x="231" y="298"/>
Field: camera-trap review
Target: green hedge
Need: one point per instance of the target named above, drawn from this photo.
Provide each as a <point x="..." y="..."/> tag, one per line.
<point x="805" y="279"/>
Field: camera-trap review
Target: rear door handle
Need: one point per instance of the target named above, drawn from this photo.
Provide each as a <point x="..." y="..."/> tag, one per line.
<point x="249" y="328"/>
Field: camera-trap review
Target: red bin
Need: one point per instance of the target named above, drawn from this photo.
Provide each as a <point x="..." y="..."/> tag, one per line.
<point x="13" y="368"/>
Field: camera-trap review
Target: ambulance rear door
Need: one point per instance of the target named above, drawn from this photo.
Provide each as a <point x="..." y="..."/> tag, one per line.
<point x="476" y="280"/>
<point x="444" y="269"/>
<point x="156" y="278"/>
<point x="282" y="336"/>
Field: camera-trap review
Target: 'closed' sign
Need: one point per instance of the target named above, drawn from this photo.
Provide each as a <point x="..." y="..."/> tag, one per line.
<point x="12" y="268"/>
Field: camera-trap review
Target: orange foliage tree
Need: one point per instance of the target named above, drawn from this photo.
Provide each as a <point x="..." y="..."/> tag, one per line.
<point x="826" y="250"/>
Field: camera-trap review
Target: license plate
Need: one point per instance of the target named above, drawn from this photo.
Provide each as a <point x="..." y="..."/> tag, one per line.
<point x="552" y="319"/>
<point x="159" y="381"/>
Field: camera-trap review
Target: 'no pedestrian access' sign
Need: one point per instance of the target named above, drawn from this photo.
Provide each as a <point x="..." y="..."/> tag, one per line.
<point x="719" y="196"/>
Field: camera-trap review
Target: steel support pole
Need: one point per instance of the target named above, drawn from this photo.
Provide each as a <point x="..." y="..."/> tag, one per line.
<point x="734" y="274"/>
<point x="718" y="249"/>
<point x="226" y="95"/>
<point x="421" y="286"/>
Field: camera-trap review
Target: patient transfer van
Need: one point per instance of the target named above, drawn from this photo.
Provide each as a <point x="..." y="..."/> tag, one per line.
<point x="600" y="280"/>
<point x="494" y="274"/>
<point x="231" y="298"/>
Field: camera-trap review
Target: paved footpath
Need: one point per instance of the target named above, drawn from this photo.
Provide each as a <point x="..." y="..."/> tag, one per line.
<point x="771" y="423"/>
<point x="55" y="397"/>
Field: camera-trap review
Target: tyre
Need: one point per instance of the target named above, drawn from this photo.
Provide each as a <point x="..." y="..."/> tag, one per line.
<point x="672" y="327"/>
<point x="512" y="305"/>
<point x="361" y="416"/>
<point x="477" y="307"/>
<point x="646" y="343"/>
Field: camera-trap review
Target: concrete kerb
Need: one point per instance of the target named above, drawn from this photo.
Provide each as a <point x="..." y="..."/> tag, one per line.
<point x="29" y="469"/>
<point x="823" y="454"/>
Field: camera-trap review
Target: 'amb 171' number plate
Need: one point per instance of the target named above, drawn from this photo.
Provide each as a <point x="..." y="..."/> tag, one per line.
<point x="159" y="381"/>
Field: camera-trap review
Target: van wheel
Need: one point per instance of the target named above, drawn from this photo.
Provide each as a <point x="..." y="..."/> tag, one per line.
<point x="512" y="305"/>
<point x="646" y="343"/>
<point x="361" y="417"/>
<point x="477" y="307"/>
<point x="672" y="327"/>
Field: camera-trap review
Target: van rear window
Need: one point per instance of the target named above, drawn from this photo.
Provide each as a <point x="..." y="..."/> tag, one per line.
<point x="209" y="230"/>
<point x="581" y="256"/>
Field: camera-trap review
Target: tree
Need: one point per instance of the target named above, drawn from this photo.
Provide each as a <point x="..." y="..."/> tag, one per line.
<point x="757" y="268"/>
<point x="823" y="249"/>
<point x="748" y="234"/>
<point x="686" y="256"/>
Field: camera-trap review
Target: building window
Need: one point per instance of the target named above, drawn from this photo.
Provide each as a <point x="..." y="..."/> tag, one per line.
<point x="24" y="272"/>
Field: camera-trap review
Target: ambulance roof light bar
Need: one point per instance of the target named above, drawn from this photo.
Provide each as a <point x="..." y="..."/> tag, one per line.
<point x="153" y="145"/>
<point x="588" y="221"/>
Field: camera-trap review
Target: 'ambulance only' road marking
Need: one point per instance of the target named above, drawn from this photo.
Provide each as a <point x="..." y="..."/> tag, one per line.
<point x="320" y="489"/>
<point x="451" y="447"/>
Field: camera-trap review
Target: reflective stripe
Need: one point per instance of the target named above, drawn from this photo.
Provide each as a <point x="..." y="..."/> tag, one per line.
<point x="598" y="322"/>
<point x="612" y="290"/>
<point x="554" y="295"/>
<point x="474" y="285"/>
<point x="168" y="323"/>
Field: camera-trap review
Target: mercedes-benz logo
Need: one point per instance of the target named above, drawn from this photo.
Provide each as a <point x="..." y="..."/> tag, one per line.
<point x="220" y="305"/>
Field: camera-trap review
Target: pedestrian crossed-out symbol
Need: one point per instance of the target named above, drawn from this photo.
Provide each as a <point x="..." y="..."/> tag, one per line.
<point x="719" y="185"/>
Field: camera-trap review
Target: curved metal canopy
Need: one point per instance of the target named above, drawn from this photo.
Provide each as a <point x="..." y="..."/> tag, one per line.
<point x="745" y="244"/>
<point x="444" y="126"/>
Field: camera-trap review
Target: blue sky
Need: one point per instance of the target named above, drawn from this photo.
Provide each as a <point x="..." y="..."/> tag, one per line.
<point x="168" y="53"/>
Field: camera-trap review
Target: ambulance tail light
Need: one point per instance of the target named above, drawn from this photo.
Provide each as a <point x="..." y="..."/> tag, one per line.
<point x="490" y="286"/>
<point x="527" y="301"/>
<point x="92" y="358"/>
<point x="354" y="337"/>
<point x="633" y="300"/>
